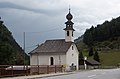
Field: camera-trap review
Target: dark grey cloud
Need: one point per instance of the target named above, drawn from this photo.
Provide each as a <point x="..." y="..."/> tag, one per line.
<point x="19" y="7"/>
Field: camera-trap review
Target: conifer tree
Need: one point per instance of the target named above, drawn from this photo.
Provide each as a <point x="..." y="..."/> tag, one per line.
<point x="96" y="56"/>
<point x="91" y="51"/>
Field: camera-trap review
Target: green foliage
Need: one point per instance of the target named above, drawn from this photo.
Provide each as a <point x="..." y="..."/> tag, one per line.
<point x="91" y="52"/>
<point x="81" y="57"/>
<point x="106" y="31"/>
<point x="96" y="56"/>
<point x="10" y="51"/>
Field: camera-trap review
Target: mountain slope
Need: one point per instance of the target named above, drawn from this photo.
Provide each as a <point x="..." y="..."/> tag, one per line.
<point x="105" y="38"/>
<point x="109" y="32"/>
<point x="10" y="51"/>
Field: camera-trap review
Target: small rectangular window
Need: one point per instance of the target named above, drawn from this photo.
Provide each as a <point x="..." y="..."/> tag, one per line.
<point x="72" y="33"/>
<point x="67" y="33"/>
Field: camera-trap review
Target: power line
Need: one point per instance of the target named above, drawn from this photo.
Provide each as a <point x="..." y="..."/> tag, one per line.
<point x="31" y="46"/>
<point x="54" y="29"/>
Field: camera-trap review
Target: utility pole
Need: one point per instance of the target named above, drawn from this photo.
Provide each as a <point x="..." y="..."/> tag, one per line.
<point x="24" y="46"/>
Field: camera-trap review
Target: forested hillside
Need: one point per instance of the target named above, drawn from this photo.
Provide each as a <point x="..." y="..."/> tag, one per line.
<point x="103" y="39"/>
<point x="10" y="52"/>
<point x="109" y="32"/>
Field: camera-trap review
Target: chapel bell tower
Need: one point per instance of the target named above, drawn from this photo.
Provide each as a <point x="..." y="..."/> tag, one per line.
<point x="69" y="37"/>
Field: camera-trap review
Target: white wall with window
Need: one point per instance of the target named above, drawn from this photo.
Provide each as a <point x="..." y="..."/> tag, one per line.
<point x="46" y="59"/>
<point x="72" y="56"/>
<point x="69" y="35"/>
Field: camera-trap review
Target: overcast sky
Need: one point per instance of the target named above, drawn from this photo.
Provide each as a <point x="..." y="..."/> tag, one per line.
<point x="44" y="19"/>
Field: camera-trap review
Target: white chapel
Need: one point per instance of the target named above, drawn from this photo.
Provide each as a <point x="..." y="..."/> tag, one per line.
<point x="57" y="51"/>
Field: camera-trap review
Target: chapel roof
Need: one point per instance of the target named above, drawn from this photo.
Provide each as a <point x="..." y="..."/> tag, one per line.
<point x="52" y="46"/>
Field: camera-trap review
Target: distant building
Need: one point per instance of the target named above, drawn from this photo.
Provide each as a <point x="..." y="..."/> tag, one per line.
<point x="58" y="51"/>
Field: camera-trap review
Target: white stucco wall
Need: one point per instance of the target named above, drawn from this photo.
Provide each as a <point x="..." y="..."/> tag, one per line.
<point x="33" y="60"/>
<point x="45" y="59"/>
<point x="72" y="56"/>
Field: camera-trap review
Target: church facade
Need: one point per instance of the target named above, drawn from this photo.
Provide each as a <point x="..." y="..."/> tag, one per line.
<point x="58" y="51"/>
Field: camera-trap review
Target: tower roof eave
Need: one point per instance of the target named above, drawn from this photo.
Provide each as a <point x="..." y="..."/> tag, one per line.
<point x="69" y="29"/>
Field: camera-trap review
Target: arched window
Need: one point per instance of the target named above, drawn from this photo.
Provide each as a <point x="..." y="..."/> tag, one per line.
<point x="72" y="48"/>
<point x="51" y="61"/>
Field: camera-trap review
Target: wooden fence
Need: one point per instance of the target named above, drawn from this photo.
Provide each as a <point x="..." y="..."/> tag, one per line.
<point x="15" y="70"/>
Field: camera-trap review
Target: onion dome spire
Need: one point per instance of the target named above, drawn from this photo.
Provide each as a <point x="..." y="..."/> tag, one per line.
<point x="69" y="15"/>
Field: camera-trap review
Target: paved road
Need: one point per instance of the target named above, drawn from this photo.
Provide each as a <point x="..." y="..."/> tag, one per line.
<point x="92" y="74"/>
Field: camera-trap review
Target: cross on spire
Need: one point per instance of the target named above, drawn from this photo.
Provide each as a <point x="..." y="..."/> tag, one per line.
<point x="69" y="8"/>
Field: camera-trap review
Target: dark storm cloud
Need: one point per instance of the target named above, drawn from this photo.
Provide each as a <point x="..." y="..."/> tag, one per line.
<point x="15" y="6"/>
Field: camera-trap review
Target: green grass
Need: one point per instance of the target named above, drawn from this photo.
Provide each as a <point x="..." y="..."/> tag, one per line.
<point x="107" y="58"/>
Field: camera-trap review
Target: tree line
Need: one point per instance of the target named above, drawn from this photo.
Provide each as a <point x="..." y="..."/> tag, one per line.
<point x="109" y="30"/>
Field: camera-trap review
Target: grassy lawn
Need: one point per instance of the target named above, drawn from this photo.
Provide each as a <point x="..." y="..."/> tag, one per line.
<point x="107" y="58"/>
